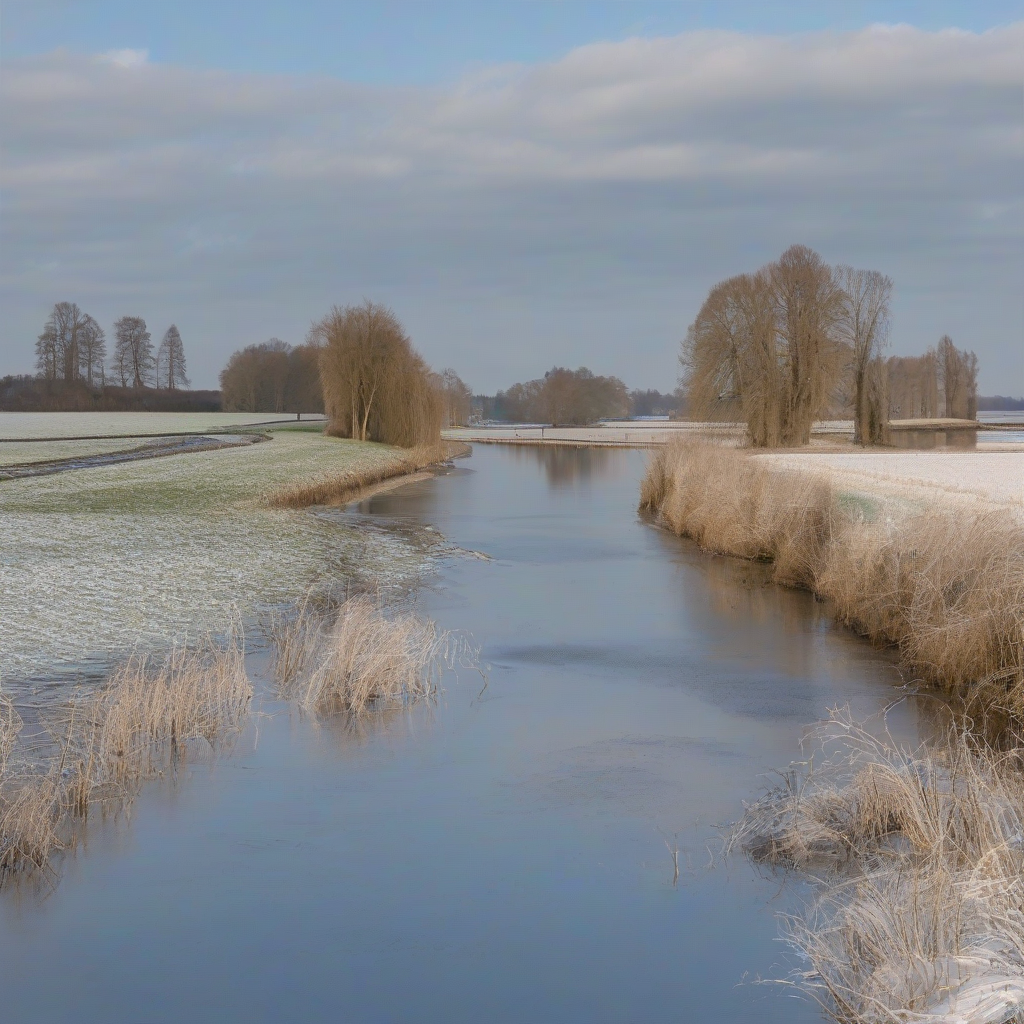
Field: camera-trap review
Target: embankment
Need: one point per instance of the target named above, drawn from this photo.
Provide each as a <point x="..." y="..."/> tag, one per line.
<point x="332" y="489"/>
<point x="942" y="581"/>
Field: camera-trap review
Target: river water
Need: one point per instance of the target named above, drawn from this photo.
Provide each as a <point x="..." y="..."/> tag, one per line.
<point x="503" y="855"/>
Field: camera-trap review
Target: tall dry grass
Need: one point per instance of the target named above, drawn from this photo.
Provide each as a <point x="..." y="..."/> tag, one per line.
<point x="946" y="586"/>
<point x="361" y="656"/>
<point x="335" y="488"/>
<point x="916" y="865"/>
<point x="149" y="717"/>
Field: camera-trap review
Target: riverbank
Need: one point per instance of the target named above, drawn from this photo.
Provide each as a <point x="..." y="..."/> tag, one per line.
<point x="828" y="436"/>
<point x="942" y="582"/>
<point x="94" y="561"/>
<point x="635" y="688"/>
<point x="911" y="852"/>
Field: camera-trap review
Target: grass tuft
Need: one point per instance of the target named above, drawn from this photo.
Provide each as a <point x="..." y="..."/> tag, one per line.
<point x="916" y="865"/>
<point x="143" y="722"/>
<point x="361" y="657"/>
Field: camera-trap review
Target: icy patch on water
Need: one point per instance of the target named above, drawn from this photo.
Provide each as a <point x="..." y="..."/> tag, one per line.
<point x="94" y="562"/>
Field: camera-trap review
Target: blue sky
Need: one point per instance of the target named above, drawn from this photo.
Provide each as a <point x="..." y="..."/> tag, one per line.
<point x="421" y="42"/>
<point x="526" y="184"/>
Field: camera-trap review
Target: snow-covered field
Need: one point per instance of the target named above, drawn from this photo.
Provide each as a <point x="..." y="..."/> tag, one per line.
<point x="989" y="478"/>
<point x="95" y="561"/>
<point x="81" y="424"/>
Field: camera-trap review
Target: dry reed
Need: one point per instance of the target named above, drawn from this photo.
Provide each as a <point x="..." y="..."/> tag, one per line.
<point x="361" y="657"/>
<point x="916" y="863"/>
<point x="945" y="585"/>
<point x="141" y="723"/>
<point x="333" y="489"/>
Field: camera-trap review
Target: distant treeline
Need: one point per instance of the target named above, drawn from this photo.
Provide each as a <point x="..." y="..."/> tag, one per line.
<point x="997" y="403"/>
<point x="273" y="376"/>
<point x="37" y="394"/>
<point x="570" y="398"/>
<point x="72" y="348"/>
<point x="942" y="382"/>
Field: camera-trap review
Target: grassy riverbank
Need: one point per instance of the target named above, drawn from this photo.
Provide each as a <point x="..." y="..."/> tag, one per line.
<point x="912" y="855"/>
<point x="95" y="561"/>
<point x="942" y="582"/>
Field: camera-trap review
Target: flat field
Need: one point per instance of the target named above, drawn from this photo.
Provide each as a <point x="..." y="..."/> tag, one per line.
<point x="972" y="477"/>
<point x="96" y="561"/>
<point x="79" y="424"/>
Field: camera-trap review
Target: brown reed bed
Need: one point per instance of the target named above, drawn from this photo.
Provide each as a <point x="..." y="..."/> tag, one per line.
<point x="149" y="717"/>
<point x="945" y="586"/>
<point x="915" y="860"/>
<point x="332" y="489"/>
<point x="361" y="656"/>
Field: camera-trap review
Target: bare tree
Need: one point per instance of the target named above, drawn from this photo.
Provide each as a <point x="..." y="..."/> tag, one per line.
<point x="913" y="386"/>
<point x="457" y="397"/>
<point x="58" y="348"/>
<point x="958" y="379"/>
<point x="766" y="348"/>
<point x="809" y="307"/>
<point x="46" y="353"/>
<point x="133" y="351"/>
<point x="867" y="294"/>
<point x="170" y="361"/>
<point x="376" y="386"/>
<point x="272" y="377"/>
<point x="92" y="350"/>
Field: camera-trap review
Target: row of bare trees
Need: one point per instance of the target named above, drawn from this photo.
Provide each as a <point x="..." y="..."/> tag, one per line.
<point x="563" y="397"/>
<point x="357" y="365"/>
<point x="73" y="348"/>
<point x="942" y="382"/>
<point x="780" y="347"/>
<point x="272" y="377"/>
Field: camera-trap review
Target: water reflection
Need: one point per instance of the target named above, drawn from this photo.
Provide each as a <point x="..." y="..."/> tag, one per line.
<point x="567" y="467"/>
<point x="923" y="440"/>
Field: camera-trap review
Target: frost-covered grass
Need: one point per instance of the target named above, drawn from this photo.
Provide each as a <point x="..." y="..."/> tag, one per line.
<point x="94" y="561"/>
<point x="990" y="477"/>
<point x="14" y="453"/>
<point x="79" y="424"/>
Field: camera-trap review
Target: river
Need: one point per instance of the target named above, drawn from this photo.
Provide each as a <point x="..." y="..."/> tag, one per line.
<point x="505" y="854"/>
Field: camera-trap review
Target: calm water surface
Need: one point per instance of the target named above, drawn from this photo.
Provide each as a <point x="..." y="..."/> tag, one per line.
<point x="501" y="856"/>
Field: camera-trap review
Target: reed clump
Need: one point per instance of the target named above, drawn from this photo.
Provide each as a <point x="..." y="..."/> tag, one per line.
<point x="145" y="720"/>
<point x="361" y="657"/>
<point x="331" y="489"/>
<point x="916" y="864"/>
<point x="946" y="586"/>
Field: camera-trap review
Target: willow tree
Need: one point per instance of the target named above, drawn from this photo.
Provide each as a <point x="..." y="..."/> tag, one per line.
<point x="768" y="348"/>
<point x="731" y="361"/>
<point x="376" y="386"/>
<point x="867" y="294"/>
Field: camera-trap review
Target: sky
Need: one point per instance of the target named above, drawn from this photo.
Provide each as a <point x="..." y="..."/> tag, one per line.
<point x="526" y="185"/>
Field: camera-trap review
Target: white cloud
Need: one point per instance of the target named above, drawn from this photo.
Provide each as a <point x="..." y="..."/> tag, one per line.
<point x="575" y="210"/>
<point x="126" y="58"/>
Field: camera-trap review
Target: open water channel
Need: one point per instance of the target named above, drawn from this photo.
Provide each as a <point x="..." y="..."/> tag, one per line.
<point x="504" y="854"/>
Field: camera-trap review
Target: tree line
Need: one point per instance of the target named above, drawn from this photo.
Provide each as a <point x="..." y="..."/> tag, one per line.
<point x="781" y="347"/>
<point x="561" y="397"/>
<point x="573" y="398"/>
<point x="942" y="382"/>
<point x="72" y="348"/>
